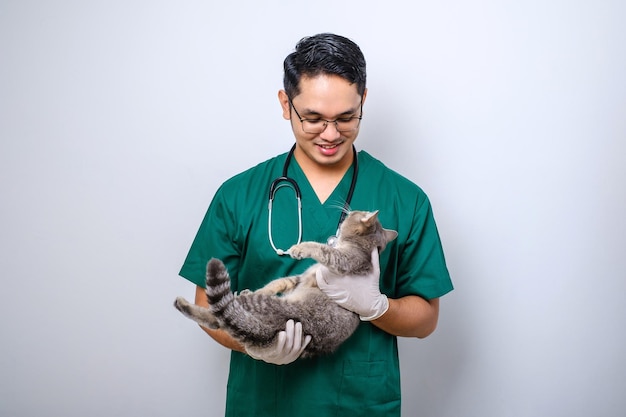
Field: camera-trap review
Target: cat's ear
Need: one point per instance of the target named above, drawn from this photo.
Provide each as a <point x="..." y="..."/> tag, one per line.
<point x="370" y="217"/>
<point x="390" y="234"/>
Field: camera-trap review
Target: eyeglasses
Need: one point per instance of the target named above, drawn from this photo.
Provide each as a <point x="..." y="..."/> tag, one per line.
<point x="342" y="124"/>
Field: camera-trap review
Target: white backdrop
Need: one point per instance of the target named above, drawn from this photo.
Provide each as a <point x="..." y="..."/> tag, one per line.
<point x="119" y="119"/>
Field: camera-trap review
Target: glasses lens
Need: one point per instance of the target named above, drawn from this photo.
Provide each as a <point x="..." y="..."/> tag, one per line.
<point x="313" y="126"/>
<point x="347" y="125"/>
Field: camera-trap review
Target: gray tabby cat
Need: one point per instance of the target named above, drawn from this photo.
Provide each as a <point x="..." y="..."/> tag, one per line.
<point x="256" y="318"/>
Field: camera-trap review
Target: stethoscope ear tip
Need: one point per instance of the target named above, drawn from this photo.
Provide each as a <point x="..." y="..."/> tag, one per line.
<point x="281" y="252"/>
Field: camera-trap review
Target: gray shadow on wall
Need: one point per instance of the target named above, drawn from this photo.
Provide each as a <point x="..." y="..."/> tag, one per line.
<point x="432" y="368"/>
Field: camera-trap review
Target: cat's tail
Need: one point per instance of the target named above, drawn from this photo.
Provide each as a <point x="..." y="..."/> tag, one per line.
<point x="231" y="314"/>
<point x="218" y="289"/>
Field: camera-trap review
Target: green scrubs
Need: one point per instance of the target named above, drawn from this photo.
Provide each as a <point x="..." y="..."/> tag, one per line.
<point x="362" y="378"/>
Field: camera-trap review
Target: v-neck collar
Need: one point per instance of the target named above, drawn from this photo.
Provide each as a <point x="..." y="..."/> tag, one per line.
<point x="324" y="215"/>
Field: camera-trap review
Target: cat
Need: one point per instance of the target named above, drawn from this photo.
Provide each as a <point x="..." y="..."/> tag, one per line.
<point x="256" y="318"/>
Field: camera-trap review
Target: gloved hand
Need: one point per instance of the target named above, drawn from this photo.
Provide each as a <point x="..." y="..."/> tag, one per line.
<point x="290" y="345"/>
<point x="357" y="293"/>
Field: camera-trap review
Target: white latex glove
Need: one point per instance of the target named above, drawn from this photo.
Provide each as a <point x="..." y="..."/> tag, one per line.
<point x="288" y="348"/>
<point x="357" y="293"/>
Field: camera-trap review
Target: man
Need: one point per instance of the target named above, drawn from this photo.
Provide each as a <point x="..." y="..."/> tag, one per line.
<point x="323" y="98"/>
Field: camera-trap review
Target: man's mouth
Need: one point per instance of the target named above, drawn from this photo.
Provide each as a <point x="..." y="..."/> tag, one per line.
<point x="331" y="146"/>
<point x="329" y="150"/>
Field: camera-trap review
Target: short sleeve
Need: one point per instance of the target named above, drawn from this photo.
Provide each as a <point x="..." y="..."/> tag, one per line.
<point x="422" y="267"/>
<point x="215" y="239"/>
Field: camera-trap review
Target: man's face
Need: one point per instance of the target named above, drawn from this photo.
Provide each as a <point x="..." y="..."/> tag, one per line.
<point x="328" y="97"/>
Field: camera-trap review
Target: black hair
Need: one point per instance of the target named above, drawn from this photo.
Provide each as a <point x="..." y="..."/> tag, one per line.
<point x="325" y="53"/>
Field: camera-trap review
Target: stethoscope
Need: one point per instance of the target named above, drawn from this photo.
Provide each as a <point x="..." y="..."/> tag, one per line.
<point x="285" y="181"/>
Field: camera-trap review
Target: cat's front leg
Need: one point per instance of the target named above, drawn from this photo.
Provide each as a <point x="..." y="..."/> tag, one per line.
<point x="305" y="250"/>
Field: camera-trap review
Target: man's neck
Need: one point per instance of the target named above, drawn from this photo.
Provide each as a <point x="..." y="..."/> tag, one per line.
<point x="323" y="178"/>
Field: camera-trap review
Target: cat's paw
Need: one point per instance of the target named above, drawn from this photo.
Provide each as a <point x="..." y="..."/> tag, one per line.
<point x="244" y="292"/>
<point x="181" y="304"/>
<point x="296" y="252"/>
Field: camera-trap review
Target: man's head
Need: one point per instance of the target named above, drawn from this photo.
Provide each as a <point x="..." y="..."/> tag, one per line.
<point x="325" y="88"/>
<point x="324" y="54"/>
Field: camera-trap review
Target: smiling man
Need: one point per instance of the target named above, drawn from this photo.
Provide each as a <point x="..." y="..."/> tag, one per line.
<point x="323" y="99"/>
<point x="329" y="118"/>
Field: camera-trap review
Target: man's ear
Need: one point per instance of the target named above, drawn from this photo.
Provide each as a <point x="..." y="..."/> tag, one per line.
<point x="284" y="103"/>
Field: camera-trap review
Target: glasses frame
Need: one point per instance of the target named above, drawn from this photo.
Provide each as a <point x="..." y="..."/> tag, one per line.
<point x="326" y="122"/>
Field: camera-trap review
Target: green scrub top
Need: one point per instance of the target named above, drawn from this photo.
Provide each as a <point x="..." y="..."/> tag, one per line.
<point x="362" y="378"/>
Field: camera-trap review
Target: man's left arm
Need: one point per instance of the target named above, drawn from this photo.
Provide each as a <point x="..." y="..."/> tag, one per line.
<point x="410" y="316"/>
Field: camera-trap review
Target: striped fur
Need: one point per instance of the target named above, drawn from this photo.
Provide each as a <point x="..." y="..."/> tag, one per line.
<point x="255" y="318"/>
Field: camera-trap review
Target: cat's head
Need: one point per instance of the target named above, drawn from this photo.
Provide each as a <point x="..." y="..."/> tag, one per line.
<point x="365" y="227"/>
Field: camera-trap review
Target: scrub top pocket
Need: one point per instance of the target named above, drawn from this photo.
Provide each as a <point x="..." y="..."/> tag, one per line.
<point x="369" y="388"/>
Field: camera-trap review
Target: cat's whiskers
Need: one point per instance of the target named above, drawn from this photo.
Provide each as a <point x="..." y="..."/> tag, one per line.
<point x="341" y="206"/>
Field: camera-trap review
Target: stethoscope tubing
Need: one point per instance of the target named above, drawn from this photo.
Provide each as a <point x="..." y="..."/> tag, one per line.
<point x="286" y="181"/>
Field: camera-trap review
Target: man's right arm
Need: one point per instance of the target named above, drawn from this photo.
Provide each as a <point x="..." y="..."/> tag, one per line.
<point x="220" y="336"/>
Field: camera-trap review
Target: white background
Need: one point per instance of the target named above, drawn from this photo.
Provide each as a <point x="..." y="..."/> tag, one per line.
<point x="119" y="119"/>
